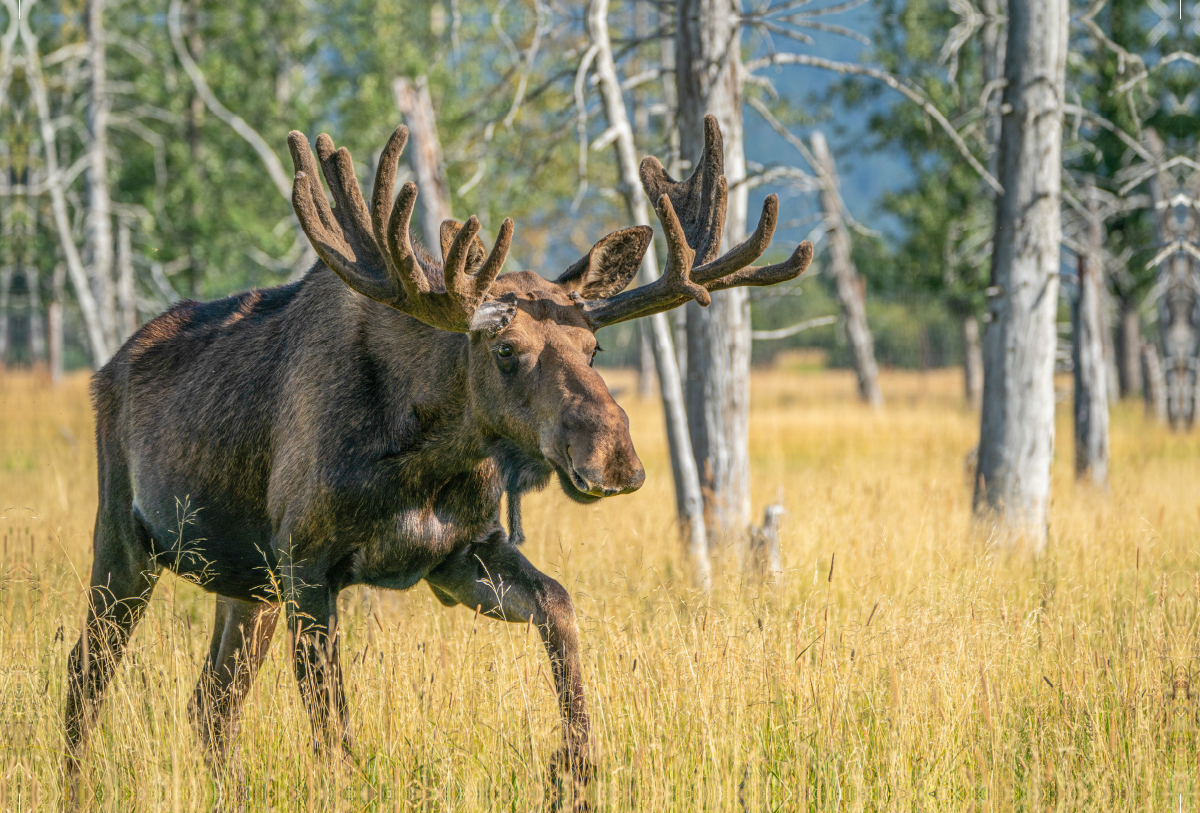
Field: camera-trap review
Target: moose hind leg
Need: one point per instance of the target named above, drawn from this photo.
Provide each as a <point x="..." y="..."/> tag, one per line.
<point x="241" y="637"/>
<point x="123" y="577"/>
<point x="496" y="578"/>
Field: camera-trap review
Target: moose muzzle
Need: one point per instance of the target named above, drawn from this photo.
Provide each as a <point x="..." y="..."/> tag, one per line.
<point x="597" y="457"/>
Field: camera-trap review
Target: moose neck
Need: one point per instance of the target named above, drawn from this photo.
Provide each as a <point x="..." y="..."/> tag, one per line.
<point x="423" y="371"/>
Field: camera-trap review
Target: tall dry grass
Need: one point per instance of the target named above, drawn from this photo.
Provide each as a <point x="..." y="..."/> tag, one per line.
<point x="904" y="663"/>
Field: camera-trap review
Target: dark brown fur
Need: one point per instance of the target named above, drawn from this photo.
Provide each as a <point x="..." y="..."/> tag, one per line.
<point x="278" y="446"/>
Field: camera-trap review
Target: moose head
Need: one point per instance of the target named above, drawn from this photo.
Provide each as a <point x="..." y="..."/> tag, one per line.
<point x="532" y="340"/>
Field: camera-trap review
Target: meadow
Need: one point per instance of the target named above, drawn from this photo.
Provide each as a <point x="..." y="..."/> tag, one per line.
<point x="904" y="661"/>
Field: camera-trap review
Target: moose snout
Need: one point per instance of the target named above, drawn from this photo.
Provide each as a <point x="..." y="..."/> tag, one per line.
<point x="609" y="481"/>
<point x="600" y="458"/>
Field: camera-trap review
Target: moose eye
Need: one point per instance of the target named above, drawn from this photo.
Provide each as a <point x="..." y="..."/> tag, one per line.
<point x="592" y="360"/>
<point x="507" y="359"/>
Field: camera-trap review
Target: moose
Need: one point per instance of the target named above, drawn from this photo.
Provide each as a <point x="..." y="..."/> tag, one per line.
<point x="359" y="427"/>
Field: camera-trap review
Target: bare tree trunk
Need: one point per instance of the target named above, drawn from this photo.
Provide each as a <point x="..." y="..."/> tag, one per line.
<point x="54" y="324"/>
<point x="641" y="134"/>
<point x="646" y="365"/>
<point x="58" y="202"/>
<point x="1107" y="333"/>
<point x="425" y="153"/>
<point x="98" y="223"/>
<point x="1091" y="372"/>
<point x="708" y="75"/>
<point x="1129" y="350"/>
<point x="1154" y="384"/>
<point x="679" y="331"/>
<point x="994" y="45"/>
<point x="37" y="329"/>
<point x="689" y="498"/>
<point x="1016" y="444"/>
<point x="845" y="276"/>
<point x="972" y="361"/>
<point x="6" y="275"/>
<point x="1179" y="305"/>
<point x="126" y="292"/>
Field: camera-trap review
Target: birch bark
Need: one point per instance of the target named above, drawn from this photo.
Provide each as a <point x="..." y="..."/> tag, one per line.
<point x="98" y="236"/>
<point x="1091" y="371"/>
<point x="126" y="291"/>
<point x="689" y="499"/>
<point x="425" y="154"/>
<point x="708" y="75"/>
<point x="1016" y="442"/>
<point x="845" y="276"/>
<point x="97" y="343"/>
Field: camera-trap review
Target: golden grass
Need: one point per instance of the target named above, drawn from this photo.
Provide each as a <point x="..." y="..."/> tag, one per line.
<point x="926" y="670"/>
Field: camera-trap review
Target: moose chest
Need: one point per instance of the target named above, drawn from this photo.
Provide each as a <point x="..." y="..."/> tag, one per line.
<point x="424" y="526"/>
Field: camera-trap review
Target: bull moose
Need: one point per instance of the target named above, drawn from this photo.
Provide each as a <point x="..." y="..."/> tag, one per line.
<point x="360" y="426"/>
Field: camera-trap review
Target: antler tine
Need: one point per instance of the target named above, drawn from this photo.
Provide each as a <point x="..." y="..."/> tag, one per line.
<point x="351" y="211"/>
<point x="454" y="262"/>
<point x="701" y="199"/>
<point x="790" y="268"/>
<point x="698" y="234"/>
<point x="676" y="276"/>
<point x="302" y="159"/>
<point x="372" y="251"/>
<point x="467" y="289"/>
<point x="323" y="231"/>
<point x="399" y="247"/>
<point x="385" y="183"/>
<point x="491" y="267"/>
<point x="746" y="252"/>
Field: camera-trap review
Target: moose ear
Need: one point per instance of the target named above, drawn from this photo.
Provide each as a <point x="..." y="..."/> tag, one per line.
<point x="493" y="315"/>
<point x="476" y="254"/>
<point x="610" y="265"/>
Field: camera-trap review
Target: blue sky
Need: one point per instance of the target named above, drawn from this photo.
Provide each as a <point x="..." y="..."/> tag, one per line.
<point x="865" y="175"/>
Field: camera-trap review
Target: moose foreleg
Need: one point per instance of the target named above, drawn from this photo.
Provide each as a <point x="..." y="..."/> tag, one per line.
<point x="494" y="577"/>
<point x="312" y="629"/>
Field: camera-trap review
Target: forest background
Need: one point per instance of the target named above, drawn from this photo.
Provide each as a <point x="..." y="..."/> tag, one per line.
<point x="196" y="209"/>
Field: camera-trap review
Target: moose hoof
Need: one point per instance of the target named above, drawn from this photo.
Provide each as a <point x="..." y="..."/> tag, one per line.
<point x="575" y="770"/>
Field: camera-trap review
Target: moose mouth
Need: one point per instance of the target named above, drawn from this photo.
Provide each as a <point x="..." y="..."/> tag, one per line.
<point x="575" y="486"/>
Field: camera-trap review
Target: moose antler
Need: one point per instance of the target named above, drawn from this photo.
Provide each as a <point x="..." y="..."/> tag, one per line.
<point x="372" y="252"/>
<point x="692" y="214"/>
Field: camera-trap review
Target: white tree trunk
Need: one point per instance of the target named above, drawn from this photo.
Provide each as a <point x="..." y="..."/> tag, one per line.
<point x="54" y="324"/>
<point x="126" y="290"/>
<point x="972" y="361"/>
<point x="845" y="276"/>
<point x="1129" y="351"/>
<point x="1107" y="332"/>
<point x="1091" y="370"/>
<point x="708" y="76"/>
<point x="6" y="275"/>
<point x="37" y="327"/>
<point x="98" y="222"/>
<point x="1016" y="444"/>
<point x="425" y="154"/>
<point x="1154" y="385"/>
<point x="689" y="500"/>
<point x="646" y="365"/>
<point x="97" y="342"/>
<point x="1179" y="280"/>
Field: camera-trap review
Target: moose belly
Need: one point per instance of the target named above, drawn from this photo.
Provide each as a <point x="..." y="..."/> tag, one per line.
<point x="221" y="554"/>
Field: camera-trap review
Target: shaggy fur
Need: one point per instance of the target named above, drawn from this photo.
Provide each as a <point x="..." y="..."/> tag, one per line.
<point x="359" y="427"/>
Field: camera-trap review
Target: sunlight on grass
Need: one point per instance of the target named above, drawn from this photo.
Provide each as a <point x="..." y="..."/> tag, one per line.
<point x="902" y="663"/>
